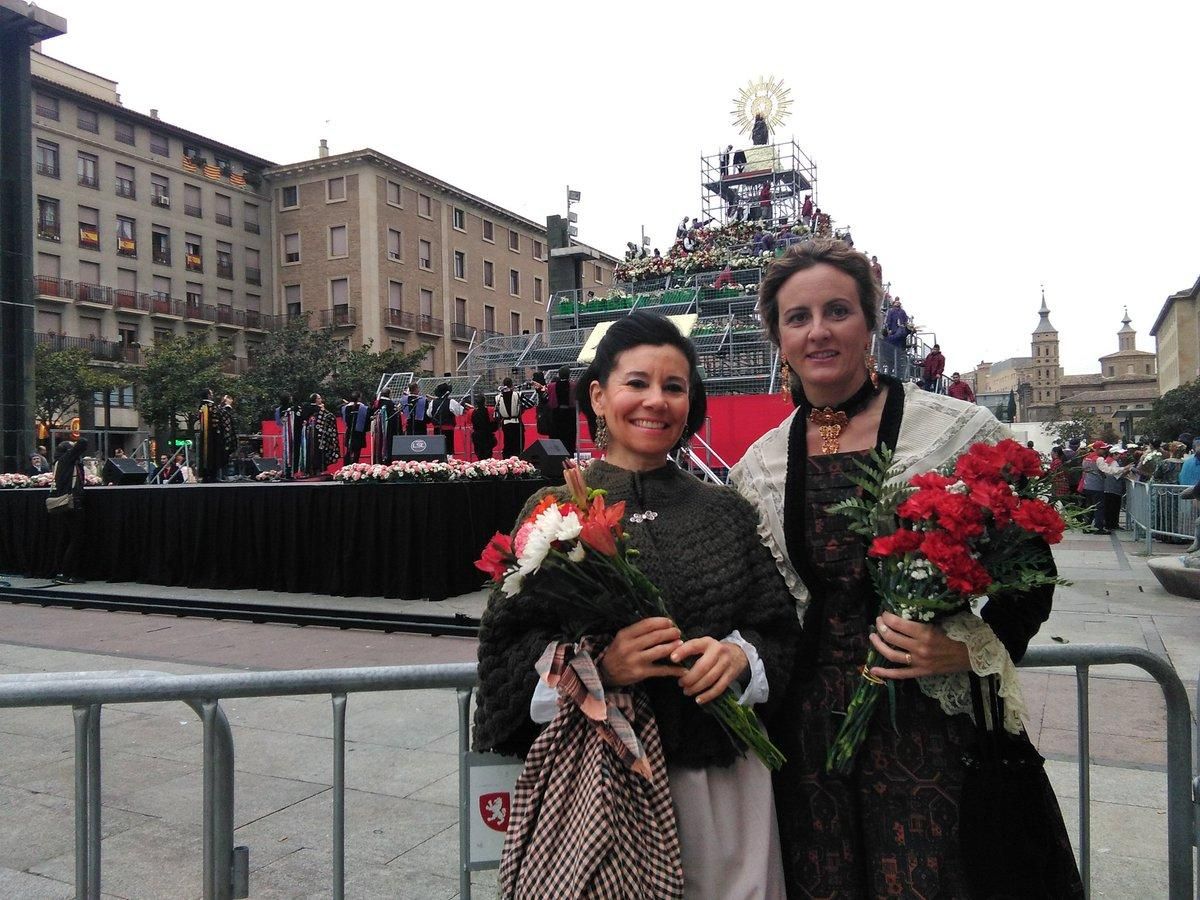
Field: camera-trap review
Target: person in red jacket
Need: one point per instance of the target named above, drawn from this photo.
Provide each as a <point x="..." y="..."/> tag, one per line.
<point x="959" y="389"/>
<point x="932" y="369"/>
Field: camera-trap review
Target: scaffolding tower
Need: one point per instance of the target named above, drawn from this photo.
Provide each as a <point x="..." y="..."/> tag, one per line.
<point x="732" y="183"/>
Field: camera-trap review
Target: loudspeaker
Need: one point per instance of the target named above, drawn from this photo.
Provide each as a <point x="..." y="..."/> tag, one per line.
<point x="548" y="455"/>
<point x="253" y="467"/>
<point x="427" y="447"/>
<point x="124" y="471"/>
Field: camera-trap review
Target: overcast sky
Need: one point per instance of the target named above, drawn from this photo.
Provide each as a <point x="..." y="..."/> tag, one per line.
<point x="980" y="150"/>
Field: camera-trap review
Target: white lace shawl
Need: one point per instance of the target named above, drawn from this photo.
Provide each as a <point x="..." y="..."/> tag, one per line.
<point x="934" y="430"/>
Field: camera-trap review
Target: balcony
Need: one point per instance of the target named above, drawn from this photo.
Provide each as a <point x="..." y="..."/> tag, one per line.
<point x="223" y="219"/>
<point x="87" y="180"/>
<point x="256" y="321"/>
<point x="46" y="111"/>
<point x="253" y="276"/>
<point x="338" y="317"/>
<point x="131" y="301"/>
<point x="398" y="318"/>
<point x="162" y="257"/>
<point x="228" y="317"/>
<point x="194" y="262"/>
<point x="50" y="170"/>
<point x="93" y="294"/>
<point x="162" y="305"/>
<point x="199" y="312"/>
<point x="126" y="247"/>
<point x="430" y="325"/>
<point x="191" y="211"/>
<point x="126" y="189"/>
<point x="252" y="227"/>
<point x="48" y="232"/>
<point x="461" y="331"/>
<point x="100" y="349"/>
<point x="161" y="200"/>
<point x="224" y="270"/>
<point x="58" y="288"/>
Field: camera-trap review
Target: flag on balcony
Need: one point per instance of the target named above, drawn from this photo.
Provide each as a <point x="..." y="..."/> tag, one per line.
<point x="211" y="171"/>
<point x="238" y="178"/>
<point x="189" y="165"/>
<point x="124" y="245"/>
<point x="89" y="236"/>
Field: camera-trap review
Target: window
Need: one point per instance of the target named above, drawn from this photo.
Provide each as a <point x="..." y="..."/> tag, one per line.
<point x="514" y="323"/>
<point x="223" y="164"/>
<point x="291" y="248"/>
<point x="393" y="245"/>
<point x="489" y="319"/>
<point x="89" y="273"/>
<point x="253" y="304"/>
<point x="224" y="305"/>
<point x="337" y="240"/>
<point x="88" y="120"/>
<point x="253" y="267"/>
<point x="539" y="326"/>
<point x="291" y="300"/>
<point x="1112" y="370"/>
<point x="460" y="219"/>
<point x="339" y="293"/>
<point x="125" y="186"/>
<point x="46" y="156"/>
<point x="224" y="210"/>
<point x="1147" y="368"/>
<point x="488" y="231"/>
<point x="537" y="250"/>
<point x="514" y="241"/>
<point x="460" y="310"/>
<point x="49" y="265"/>
<point x="191" y="200"/>
<point x="489" y="274"/>
<point x="537" y="290"/>
<point x="191" y="152"/>
<point x="193" y="260"/>
<point x="250" y="217"/>
<point x="514" y="282"/>
<point x="224" y="260"/>
<point x="123" y="131"/>
<point x="126" y="236"/>
<point x="396" y="295"/>
<point x="425" y="255"/>
<point x="394" y="197"/>
<point x="89" y="169"/>
<point x="160" y="245"/>
<point x="195" y="296"/>
<point x="89" y="228"/>
<point x="46" y="107"/>
<point x="48" y="222"/>
<point x="424" y="206"/>
<point x="160" y="190"/>
<point x="460" y="265"/>
<point x="289" y="197"/>
<point x="335" y="189"/>
<point x="160" y="144"/>
<point x="426" y="302"/>
<point x="597" y="274"/>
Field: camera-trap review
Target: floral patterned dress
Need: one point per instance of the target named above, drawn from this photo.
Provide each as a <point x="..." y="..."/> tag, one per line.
<point x="889" y="829"/>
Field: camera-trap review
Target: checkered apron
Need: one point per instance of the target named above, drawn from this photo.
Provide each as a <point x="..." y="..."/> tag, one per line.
<point x="592" y="814"/>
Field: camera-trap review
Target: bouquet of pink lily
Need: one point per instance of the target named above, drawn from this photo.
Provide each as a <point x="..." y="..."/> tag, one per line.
<point x="576" y="553"/>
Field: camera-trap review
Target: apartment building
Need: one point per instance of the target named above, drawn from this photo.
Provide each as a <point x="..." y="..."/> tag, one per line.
<point x="383" y="252"/>
<point x="143" y="230"/>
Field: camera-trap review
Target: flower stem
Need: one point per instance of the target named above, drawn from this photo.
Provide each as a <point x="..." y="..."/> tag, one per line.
<point x="853" y="732"/>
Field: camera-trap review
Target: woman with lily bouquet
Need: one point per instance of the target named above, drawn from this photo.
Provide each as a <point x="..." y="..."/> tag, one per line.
<point x="627" y="607"/>
<point x="894" y="783"/>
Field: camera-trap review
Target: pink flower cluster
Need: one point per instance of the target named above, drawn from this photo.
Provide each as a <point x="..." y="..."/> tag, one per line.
<point x="450" y="470"/>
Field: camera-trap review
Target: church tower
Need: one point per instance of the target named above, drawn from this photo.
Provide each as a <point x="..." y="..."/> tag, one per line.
<point x="1043" y="371"/>
<point x="1126" y="337"/>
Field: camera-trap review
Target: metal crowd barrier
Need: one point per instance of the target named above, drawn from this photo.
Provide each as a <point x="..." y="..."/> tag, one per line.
<point x="226" y="867"/>
<point x="1155" y="509"/>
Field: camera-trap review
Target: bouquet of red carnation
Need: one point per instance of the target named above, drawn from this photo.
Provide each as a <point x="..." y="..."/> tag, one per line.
<point x="576" y="553"/>
<point x="976" y="529"/>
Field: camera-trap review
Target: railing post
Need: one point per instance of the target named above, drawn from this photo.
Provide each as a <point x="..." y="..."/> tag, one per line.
<point x="464" y="794"/>
<point x="87" y="802"/>
<point x="339" y="796"/>
<point x="1085" y="779"/>
<point x="1151" y="520"/>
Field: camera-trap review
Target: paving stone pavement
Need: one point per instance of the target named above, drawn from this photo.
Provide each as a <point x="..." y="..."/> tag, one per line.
<point x="401" y="763"/>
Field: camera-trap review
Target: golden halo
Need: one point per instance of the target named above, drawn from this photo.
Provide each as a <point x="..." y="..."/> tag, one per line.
<point x="767" y="96"/>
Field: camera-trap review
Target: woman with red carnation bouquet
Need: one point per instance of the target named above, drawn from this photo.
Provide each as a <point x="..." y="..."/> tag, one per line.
<point x="882" y="794"/>
<point x="632" y="789"/>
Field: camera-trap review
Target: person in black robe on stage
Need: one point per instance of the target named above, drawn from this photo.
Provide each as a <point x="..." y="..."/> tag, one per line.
<point x="320" y="441"/>
<point x="444" y="411"/>
<point x="483" y="429"/>
<point x="383" y="427"/>
<point x="509" y="407"/>
<point x="563" y="412"/>
<point x="415" y="407"/>
<point x="287" y="417"/>
<point x="206" y="442"/>
<point x="355" y="414"/>
<point x="224" y="435"/>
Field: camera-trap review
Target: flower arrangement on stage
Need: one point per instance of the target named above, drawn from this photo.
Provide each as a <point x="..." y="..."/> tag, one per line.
<point x="46" y="479"/>
<point x="714" y="249"/>
<point x="450" y="470"/>
<point x="269" y="475"/>
<point x="576" y="553"/>
<point x="978" y="528"/>
<point x="15" y="481"/>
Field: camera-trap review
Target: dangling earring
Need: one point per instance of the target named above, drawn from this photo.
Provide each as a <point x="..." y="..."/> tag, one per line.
<point x="872" y="370"/>
<point x="785" y="380"/>
<point x="601" y="437"/>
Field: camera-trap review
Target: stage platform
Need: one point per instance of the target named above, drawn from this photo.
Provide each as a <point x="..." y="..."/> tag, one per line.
<point x="402" y="541"/>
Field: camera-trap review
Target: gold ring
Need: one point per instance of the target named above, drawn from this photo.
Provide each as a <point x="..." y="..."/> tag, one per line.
<point x="908" y="659"/>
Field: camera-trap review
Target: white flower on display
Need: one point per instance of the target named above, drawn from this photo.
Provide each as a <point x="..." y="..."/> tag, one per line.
<point x="577" y="553"/>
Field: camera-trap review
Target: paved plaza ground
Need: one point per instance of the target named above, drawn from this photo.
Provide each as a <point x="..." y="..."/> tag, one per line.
<point x="401" y="829"/>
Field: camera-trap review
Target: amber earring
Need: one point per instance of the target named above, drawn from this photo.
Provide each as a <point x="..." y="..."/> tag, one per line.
<point x="601" y="437"/>
<point x="872" y="370"/>
<point x="785" y="379"/>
